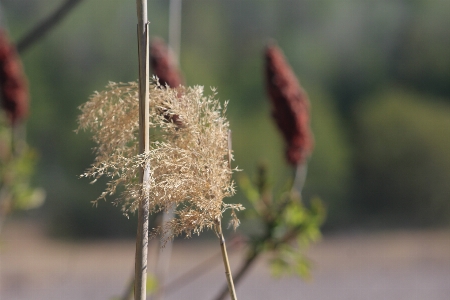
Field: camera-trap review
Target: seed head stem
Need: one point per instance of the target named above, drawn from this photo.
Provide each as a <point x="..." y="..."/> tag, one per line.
<point x="223" y="247"/>
<point x="226" y="262"/>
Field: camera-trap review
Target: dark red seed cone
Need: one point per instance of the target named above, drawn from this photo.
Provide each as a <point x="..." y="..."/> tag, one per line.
<point x="13" y="85"/>
<point x="163" y="66"/>
<point x="290" y="106"/>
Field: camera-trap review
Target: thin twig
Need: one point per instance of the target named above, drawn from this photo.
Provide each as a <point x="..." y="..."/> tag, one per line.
<point x="223" y="247"/>
<point x="140" y="291"/>
<point x="255" y="252"/>
<point x="44" y="27"/>
<point x="203" y="267"/>
<point x="239" y="275"/>
<point x="226" y="262"/>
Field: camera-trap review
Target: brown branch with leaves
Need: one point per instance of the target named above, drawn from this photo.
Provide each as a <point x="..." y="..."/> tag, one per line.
<point x="17" y="160"/>
<point x="284" y="219"/>
<point x="287" y="225"/>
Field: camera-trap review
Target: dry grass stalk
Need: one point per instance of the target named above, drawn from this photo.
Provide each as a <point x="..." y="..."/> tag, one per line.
<point x="189" y="166"/>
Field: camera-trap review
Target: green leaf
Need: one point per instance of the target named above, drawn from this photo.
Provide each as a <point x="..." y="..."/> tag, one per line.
<point x="295" y="214"/>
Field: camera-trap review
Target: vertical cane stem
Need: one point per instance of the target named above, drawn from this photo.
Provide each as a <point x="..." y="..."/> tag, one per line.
<point x="140" y="281"/>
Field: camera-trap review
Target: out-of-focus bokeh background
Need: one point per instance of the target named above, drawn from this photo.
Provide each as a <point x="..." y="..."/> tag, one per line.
<point x="377" y="74"/>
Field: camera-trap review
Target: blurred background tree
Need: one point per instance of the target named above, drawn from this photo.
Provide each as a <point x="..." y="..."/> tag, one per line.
<point x="402" y="158"/>
<point x="380" y="151"/>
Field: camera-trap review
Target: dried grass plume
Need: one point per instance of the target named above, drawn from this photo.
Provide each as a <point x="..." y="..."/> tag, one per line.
<point x="188" y="165"/>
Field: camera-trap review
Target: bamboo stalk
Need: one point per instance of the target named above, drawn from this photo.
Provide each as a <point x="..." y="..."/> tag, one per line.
<point x="140" y="281"/>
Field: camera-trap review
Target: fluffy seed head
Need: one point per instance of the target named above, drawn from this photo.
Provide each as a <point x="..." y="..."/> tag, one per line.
<point x="290" y="106"/>
<point x="188" y="165"/>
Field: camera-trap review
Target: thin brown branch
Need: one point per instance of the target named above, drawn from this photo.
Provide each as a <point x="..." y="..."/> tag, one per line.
<point x="46" y="25"/>
<point x="245" y="267"/>
<point x="201" y="268"/>
<point x="226" y="262"/>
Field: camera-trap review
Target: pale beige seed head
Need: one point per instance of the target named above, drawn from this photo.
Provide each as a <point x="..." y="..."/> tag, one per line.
<point x="188" y="159"/>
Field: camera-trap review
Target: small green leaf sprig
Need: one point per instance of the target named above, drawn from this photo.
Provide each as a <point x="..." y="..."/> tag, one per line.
<point x="17" y="165"/>
<point x="287" y="225"/>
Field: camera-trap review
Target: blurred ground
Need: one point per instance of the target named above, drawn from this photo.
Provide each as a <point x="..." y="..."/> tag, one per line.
<point x="389" y="265"/>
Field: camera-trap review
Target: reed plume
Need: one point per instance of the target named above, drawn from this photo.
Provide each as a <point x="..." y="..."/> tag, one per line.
<point x="188" y="165"/>
<point x="13" y="85"/>
<point x="290" y="106"/>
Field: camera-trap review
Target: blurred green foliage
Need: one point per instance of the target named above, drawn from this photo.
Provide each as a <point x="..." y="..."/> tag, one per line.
<point x="403" y="158"/>
<point x="330" y="167"/>
<point x="285" y="225"/>
<point x="17" y="165"/>
<point x="343" y="52"/>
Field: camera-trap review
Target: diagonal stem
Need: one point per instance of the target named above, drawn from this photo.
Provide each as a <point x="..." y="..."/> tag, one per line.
<point x="199" y="269"/>
<point x="240" y="274"/>
<point x="46" y="25"/>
